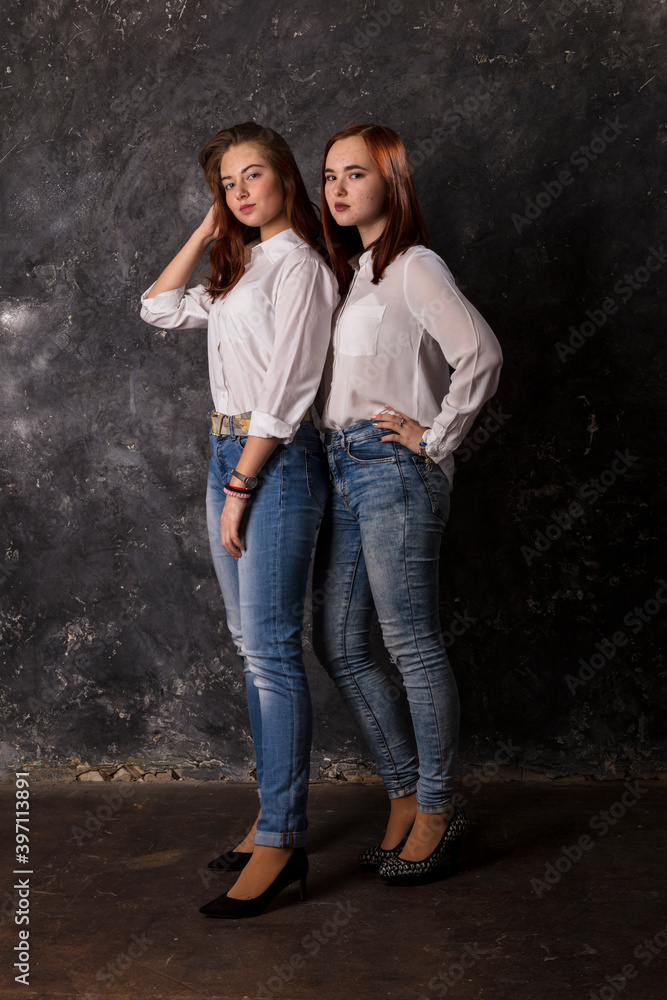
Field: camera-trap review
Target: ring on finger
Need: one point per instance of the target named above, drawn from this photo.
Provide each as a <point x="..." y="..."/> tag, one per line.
<point x="401" y="421"/>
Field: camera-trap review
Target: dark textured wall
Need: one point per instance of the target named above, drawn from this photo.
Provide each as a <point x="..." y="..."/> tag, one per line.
<point x="535" y="132"/>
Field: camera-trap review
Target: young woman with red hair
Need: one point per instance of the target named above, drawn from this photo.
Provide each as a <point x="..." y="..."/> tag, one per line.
<point x="267" y="307"/>
<point x="393" y="417"/>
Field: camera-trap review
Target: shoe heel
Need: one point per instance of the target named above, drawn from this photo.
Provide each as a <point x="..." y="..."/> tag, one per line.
<point x="302" y="893"/>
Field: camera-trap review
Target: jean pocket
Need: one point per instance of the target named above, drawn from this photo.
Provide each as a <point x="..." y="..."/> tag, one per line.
<point x="317" y="477"/>
<point x="436" y="485"/>
<point x="369" y="451"/>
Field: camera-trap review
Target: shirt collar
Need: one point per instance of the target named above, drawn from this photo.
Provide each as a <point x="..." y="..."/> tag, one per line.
<point x="280" y="244"/>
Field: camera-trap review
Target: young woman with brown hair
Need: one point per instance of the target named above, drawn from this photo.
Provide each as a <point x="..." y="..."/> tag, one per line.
<point x="267" y="308"/>
<point x="393" y="417"/>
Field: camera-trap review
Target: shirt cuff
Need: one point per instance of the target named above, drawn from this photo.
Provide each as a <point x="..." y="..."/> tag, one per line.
<point x="164" y="300"/>
<point x="430" y="439"/>
<point x="265" y="425"/>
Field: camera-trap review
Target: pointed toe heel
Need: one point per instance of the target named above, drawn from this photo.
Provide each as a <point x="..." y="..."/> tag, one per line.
<point x="296" y="870"/>
<point x="230" y="861"/>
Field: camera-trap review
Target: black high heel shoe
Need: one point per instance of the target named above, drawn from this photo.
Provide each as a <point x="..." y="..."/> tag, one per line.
<point x="230" y="861"/>
<point x="371" y="859"/>
<point x="398" y="871"/>
<point x="295" y="870"/>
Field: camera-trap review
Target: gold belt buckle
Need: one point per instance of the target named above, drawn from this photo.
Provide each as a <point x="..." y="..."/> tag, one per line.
<point x="217" y="423"/>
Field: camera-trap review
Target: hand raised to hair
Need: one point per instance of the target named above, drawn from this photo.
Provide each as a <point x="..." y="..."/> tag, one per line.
<point x="208" y="230"/>
<point x="403" y="429"/>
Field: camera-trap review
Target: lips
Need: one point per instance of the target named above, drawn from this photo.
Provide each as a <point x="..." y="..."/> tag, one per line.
<point x="340" y="206"/>
<point x="246" y="208"/>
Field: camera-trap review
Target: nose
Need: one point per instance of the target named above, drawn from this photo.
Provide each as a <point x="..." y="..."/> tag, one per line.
<point x="241" y="191"/>
<point x="339" y="187"/>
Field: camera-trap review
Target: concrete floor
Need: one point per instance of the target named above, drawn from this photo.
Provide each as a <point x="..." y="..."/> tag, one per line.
<point x="113" y="908"/>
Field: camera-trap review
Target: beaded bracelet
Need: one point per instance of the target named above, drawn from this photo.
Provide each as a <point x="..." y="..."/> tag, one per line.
<point x="238" y="492"/>
<point x="422" y="452"/>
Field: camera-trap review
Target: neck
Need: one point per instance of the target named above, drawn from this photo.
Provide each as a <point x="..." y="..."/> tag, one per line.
<point x="273" y="228"/>
<point x="371" y="232"/>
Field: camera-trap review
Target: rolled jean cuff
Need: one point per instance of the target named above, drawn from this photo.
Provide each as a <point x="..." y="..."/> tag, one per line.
<point x="402" y="793"/>
<point x="437" y="810"/>
<point x="265" y="839"/>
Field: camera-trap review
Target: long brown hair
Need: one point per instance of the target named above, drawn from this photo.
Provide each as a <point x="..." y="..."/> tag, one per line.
<point x="405" y="225"/>
<point x="227" y="257"/>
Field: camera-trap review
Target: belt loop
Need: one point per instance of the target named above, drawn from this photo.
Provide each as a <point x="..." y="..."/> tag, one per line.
<point x="232" y="435"/>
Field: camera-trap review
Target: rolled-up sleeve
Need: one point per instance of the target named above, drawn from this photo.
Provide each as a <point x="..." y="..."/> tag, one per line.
<point x="468" y="344"/>
<point x="177" y="309"/>
<point x="305" y="300"/>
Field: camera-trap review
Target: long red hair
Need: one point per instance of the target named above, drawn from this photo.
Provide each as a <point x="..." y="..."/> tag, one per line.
<point x="405" y="225"/>
<point x="227" y="256"/>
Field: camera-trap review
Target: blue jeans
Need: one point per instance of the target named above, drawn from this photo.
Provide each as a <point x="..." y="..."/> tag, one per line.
<point x="379" y="545"/>
<point x="264" y="595"/>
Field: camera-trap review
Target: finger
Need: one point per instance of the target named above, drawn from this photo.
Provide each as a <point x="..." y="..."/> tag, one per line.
<point x="395" y="411"/>
<point x="235" y="539"/>
<point x="390" y="437"/>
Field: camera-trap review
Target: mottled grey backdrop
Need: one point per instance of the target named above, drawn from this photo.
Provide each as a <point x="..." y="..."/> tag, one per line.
<point x="535" y="133"/>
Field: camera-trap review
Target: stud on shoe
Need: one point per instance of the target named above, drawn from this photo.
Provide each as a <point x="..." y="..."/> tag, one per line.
<point x="295" y="870"/>
<point x="230" y="861"/>
<point x="397" y="871"/>
<point x="371" y="859"/>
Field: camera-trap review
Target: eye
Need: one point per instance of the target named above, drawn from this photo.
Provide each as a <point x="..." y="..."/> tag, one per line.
<point x="352" y="176"/>
<point x="229" y="186"/>
<point x="329" y="177"/>
<point x="252" y="175"/>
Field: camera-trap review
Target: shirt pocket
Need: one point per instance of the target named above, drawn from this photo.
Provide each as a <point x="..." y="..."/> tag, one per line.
<point x="359" y="330"/>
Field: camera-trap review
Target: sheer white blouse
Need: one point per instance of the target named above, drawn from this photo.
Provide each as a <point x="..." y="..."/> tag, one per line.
<point x="267" y="338"/>
<point x="393" y="345"/>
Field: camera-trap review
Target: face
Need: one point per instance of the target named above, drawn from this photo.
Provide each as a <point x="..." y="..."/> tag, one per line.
<point x="253" y="190"/>
<point x="355" y="190"/>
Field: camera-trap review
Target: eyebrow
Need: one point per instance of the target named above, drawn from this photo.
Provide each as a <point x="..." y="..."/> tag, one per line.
<point x="352" y="166"/>
<point x="227" y="177"/>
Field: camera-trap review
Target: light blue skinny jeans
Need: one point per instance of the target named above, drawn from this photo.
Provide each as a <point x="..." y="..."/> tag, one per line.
<point x="264" y="595"/>
<point x="379" y="545"/>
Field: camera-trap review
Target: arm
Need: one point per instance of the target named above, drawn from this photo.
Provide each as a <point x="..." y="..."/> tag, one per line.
<point x="304" y="305"/>
<point x="306" y="300"/>
<point x="257" y="451"/>
<point x="469" y="347"/>
<point x="179" y="271"/>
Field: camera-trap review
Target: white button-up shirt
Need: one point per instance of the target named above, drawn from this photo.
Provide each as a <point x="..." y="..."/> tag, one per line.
<point x="267" y="338"/>
<point x="393" y="345"/>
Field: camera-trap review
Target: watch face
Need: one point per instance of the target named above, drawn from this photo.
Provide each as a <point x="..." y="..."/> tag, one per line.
<point x="251" y="482"/>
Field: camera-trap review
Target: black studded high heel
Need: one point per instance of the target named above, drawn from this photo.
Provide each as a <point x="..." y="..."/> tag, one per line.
<point x="371" y="859"/>
<point x="230" y="861"/>
<point x="295" y="870"/>
<point x="398" y="871"/>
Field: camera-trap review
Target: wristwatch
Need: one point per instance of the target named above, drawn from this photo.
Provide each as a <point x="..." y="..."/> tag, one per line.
<point x="249" y="481"/>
